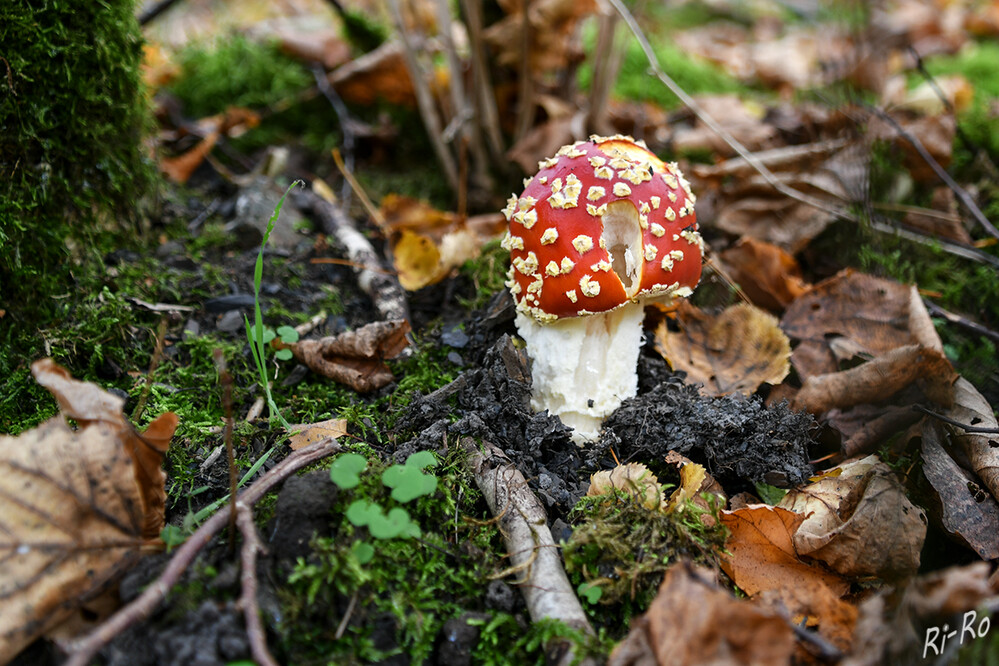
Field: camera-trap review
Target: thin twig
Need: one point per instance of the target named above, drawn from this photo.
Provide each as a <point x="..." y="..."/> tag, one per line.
<point x="153" y="11"/>
<point x="525" y="110"/>
<point x="154" y="363"/>
<point x="424" y="98"/>
<point x="962" y="194"/>
<point x="346" y="126"/>
<point x="248" y="581"/>
<point x="342" y="627"/>
<point x="977" y="430"/>
<point x="973" y="326"/>
<point x="83" y="651"/>
<point x="225" y="379"/>
<point x="485" y="99"/>
<point x="348" y="175"/>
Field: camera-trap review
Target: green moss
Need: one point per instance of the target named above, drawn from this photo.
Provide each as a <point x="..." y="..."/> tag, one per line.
<point x="487" y="273"/>
<point x="624" y="549"/>
<point x="73" y="165"/>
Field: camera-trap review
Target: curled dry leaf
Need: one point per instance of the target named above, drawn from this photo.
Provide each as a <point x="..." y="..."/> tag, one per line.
<point x="982" y="449"/>
<point x="355" y="358"/>
<point x="879" y="379"/>
<point x="762" y="554"/>
<point x="859" y="522"/>
<point x="377" y="75"/>
<point x="552" y="23"/>
<point x="632" y="478"/>
<point x="694" y="621"/>
<point x="965" y="510"/>
<point x="769" y="276"/>
<point x="76" y="507"/>
<point x="734" y="352"/>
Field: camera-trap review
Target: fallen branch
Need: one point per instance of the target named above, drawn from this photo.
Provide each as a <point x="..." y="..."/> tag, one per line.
<point x="533" y="552"/>
<point x="377" y="282"/>
<point x="82" y="651"/>
<point x="248" y="581"/>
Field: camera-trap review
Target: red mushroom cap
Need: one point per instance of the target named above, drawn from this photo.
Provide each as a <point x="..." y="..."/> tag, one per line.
<point x="577" y="228"/>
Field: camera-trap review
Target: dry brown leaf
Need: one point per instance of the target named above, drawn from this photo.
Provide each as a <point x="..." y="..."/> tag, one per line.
<point x="763" y="562"/>
<point x="693" y="621"/>
<point x="762" y="555"/>
<point x="936" y="133"/>
<point x="325" y="45"/>
<point x="892" y="627"/>
<point x="76" y="507"/>
<point x="736" y="351"/>
<point x="879" y="379"/>
<point x="179" y="168"/>
<point x="859" y="523"/>
<point x="871" y="315"/>
<point x="378" y="75"/>
<point x="355" y="358"/>
<point x="982" y="449"/>
<point x="552" y="24"/>
<point x="632" y="478"/>
<point x="310" y="433"/>
<point x="965" y="510"/>
<point x="769" y="276"/>
<point x="742" y="119"/>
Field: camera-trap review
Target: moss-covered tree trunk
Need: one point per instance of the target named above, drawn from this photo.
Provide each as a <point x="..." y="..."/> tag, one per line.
<point x="73" y="114"/>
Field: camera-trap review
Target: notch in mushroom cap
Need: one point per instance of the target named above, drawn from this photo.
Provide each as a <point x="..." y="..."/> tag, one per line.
<point x="603" y="227"/>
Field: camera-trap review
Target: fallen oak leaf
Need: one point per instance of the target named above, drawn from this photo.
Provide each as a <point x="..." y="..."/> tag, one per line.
<point x="693" y="620"/>
<point x="76" y="507"/>
<point x="355" y="358"/>
<point x="733" y="352"/>
<point x="859" y="523"/>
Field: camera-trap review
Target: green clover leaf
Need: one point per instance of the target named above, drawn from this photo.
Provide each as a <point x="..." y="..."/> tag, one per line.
<point x="408" y="482"/>
<point x="288" y="334"/>
<point x="345" y="470"/>
<point x="590" y="592"/>
<point x="363" y="512"/>
<point x="421" y="460"/>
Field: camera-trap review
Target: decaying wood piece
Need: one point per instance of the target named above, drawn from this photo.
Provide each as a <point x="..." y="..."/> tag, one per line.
<point x="373" y="276"/>
<point x="533" y="552"/>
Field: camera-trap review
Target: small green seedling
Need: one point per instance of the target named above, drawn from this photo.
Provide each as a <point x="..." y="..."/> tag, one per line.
<point x="409" y="481"/>
<point x="590" y="592"/>
<point x="255" y="332"/>
<point x="363" y="551"/>
<point x="770" y="494"/>
<point x="346" y="469"/>
<point x="396" y="523"/>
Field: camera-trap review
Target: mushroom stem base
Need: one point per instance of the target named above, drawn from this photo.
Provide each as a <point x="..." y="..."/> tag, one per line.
<point x="584" y="367"/>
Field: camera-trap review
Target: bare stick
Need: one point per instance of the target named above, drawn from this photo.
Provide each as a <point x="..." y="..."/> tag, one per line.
<point x="154" y="363"/>
<point x="380" y="284"/>
<point x="424" y="98"/>
<point x="525" y="112"/>
<point x="83" y="651"/>
<point x="487" y="112"/>
<point x="533" y="552"/>
<point x="348" y="176"/>
<point x="248" y="581"/>
<point x="962" y="194"/>
<point x="226" y="380"/>
<point x="346" y="126"/>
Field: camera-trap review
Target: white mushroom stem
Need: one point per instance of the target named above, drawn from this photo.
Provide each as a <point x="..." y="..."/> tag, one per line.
<point x="584" y="367"/>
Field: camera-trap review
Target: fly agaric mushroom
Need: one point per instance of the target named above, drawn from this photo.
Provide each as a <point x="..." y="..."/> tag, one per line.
<point x="602" y="229"/>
